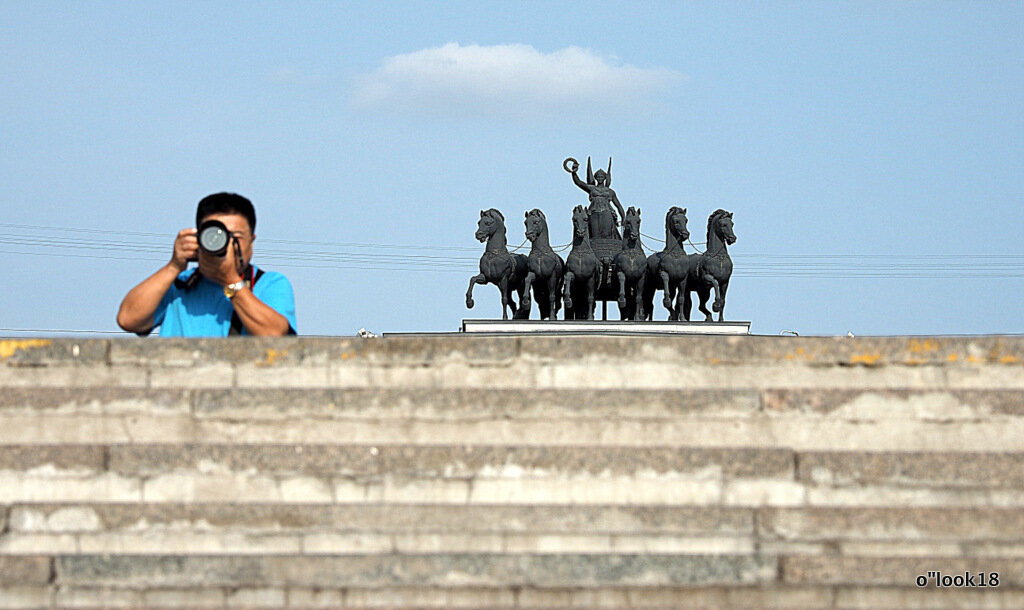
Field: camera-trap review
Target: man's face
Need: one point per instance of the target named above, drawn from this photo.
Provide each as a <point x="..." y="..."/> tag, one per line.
<point x="239" y="228"/>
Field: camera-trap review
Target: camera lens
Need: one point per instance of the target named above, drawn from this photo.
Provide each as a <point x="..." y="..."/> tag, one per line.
<point x="214" y="237"/>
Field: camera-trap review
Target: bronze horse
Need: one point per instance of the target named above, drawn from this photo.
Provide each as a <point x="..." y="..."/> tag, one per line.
<point x="582" y="270"/>
<point x="546" y="269"/>
<point x="669" y="268"/>
<point x="497" y="265"/>
<point x="631" y="268"/>
<point x="713" y="269"/>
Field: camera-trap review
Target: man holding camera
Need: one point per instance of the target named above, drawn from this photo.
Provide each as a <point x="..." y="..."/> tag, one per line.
<point x="226" y="295"/>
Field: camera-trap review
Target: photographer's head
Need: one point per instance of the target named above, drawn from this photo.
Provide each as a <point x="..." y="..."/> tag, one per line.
<point x="237" y="215"/>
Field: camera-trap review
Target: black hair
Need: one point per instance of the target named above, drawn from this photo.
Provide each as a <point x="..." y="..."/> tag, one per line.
<point x="226" y="203"/>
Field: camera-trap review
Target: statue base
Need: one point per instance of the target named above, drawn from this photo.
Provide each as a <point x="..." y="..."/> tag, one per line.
<point x="604" y="327"/>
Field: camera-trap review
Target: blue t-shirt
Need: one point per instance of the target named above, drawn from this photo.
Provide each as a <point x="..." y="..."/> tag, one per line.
<point x="204" y="311"/>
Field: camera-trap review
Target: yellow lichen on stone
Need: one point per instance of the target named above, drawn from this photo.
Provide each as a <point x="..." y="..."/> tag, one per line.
<point x="1008" y="359"/>
<point x="920" y="347"/>
<point x="272" y="356"/>
<point x="715" y="361"/>
<point x="9" y="347"/>
<point x="952" y="357"/>
<point x="868" y="359"/>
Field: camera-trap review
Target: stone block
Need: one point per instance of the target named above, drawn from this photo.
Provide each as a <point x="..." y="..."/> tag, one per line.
<point x="184" y="598"/>
<point x="472" y="404"/>
<point x="39" y="430"/>
<point x="213" y="487"/>
<point x="37" y="353"/>
<point x="405" y="490"/>
<point x="23" y="544"/>
<point x="349" y="543"/>
<point x="887" y="496"/>
<point x="625" y="491"/>
<point x="24" y="570"/>
<point x="935" y="403"/>
<point x="178" y="542"/>
<point x="934" y="469"/>
<point x="94" y="401"/>
<point x="254" y="376"/>
<point x="299" y="597"/>
<point x="896" y="523"/>
<point x="300" y="459"/>
<point x="77" y="459"/>
<point x="34" y="487"/>
<point x="263" y="597"/>
<point x="898" y="598"/>
<point x="450" y="570"/>
<point x="200" y="375"/>
<point x="430" y="597"/>
<point x="893" y="571"/>
<point x="764" y="492"/>
<point x="25" y="597"/>
<point x="64" y="376"/>
<point x="87" y="596"/>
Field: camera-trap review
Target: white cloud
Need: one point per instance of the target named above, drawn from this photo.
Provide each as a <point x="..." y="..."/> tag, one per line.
<point x="507" y="80"/>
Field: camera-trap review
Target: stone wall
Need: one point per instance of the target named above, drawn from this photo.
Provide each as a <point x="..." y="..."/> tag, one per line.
<point x="470" y="471"/>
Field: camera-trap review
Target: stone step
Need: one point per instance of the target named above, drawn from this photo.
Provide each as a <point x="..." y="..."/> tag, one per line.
<point x="581" y="363"/>
<point x="282" y="529"/>
<point x="967" y="469"/>
<point x="486" y="405"/>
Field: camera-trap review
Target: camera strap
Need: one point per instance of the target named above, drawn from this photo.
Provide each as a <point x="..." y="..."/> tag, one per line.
<point x="236" y="322"/>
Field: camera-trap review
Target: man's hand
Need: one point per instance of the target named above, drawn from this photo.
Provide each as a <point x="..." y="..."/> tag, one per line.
<point x="186" y="247"/>
<point x="220" y="269"/>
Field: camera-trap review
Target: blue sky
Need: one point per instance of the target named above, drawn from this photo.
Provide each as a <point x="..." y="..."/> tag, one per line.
<point x="871" y="153"/>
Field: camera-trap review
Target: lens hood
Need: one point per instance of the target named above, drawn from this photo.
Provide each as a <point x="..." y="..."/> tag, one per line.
<point x="214" y="237"/>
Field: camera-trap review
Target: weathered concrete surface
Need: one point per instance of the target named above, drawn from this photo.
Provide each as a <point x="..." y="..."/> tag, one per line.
<point x="579" y="472"/>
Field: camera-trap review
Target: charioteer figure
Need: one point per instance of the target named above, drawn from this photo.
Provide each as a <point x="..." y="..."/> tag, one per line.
<point x="603" y="221"/>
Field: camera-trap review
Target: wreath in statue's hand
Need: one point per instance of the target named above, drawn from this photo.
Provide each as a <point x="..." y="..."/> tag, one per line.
<point x="570" y="165"/>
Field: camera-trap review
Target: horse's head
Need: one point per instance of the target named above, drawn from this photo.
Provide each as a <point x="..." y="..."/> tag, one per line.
<point x="580" y="221"/>
<point x="491" y="222"/>
<point x="720" y="223"/>
<point x="675" y="223"/>
<point x="535" y="223"/>
<point x="631" y="224"/>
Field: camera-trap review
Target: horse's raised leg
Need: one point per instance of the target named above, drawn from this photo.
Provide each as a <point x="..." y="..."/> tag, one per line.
<point x="710" y="279"/>
<point x="667" y="301"/>
<point x="476" y="279"/>
<point x="567" y="291"/>
<point x="525" y="301"/>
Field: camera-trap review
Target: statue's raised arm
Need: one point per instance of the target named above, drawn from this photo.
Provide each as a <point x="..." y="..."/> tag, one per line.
<point x="572" y="166"/>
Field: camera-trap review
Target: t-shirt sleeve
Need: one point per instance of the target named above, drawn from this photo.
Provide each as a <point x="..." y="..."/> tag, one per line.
<point x="161" y="309"/>
<point x="275" y="291"/>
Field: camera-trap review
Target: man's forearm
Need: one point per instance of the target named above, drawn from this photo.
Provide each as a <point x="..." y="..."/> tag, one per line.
<point x="258" y="317"/>
<point x="139" y="305"/>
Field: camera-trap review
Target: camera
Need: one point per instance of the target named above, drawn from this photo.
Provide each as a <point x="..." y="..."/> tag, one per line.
<point x="214" y="238"/>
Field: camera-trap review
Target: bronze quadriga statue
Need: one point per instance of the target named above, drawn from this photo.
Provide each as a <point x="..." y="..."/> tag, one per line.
<point x="604" y="265"/>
